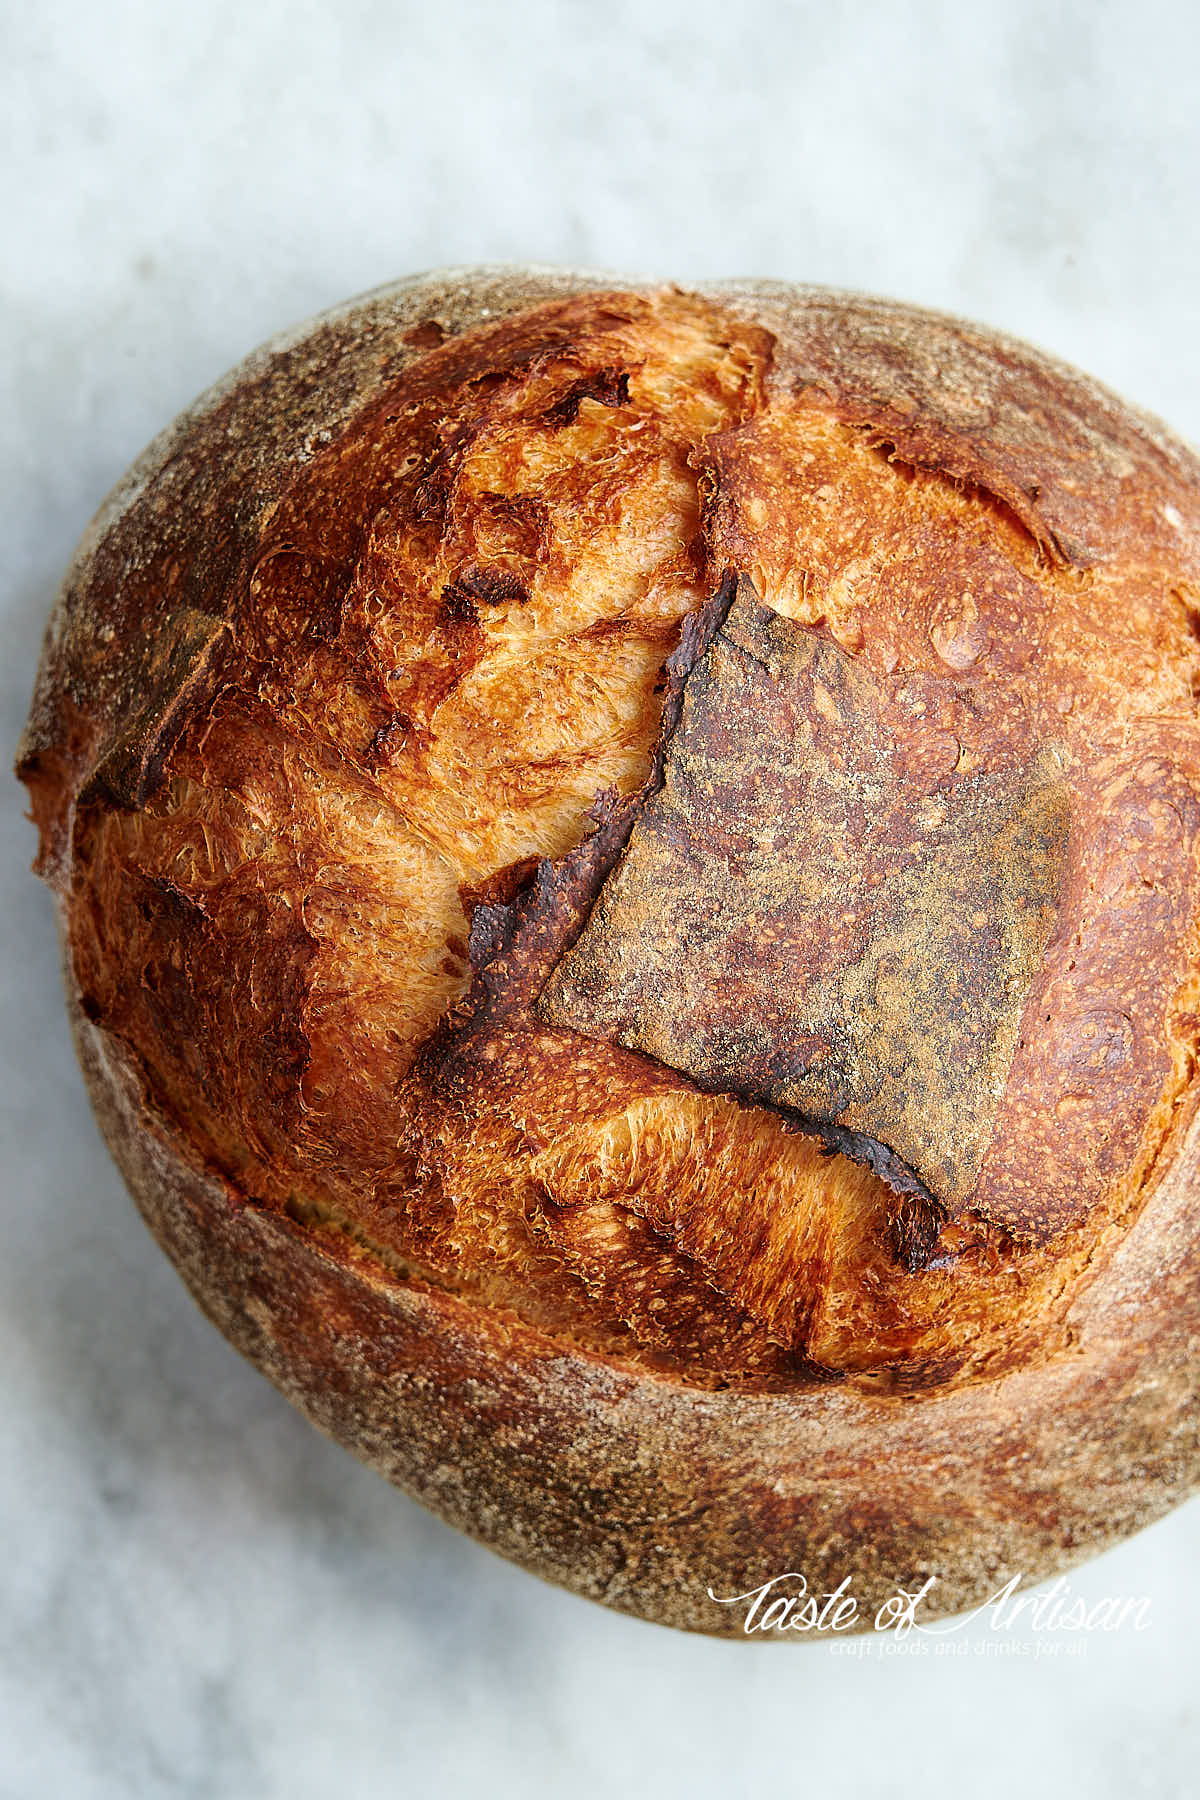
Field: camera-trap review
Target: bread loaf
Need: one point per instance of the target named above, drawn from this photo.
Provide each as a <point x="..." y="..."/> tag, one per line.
<point x="627" y="862"/>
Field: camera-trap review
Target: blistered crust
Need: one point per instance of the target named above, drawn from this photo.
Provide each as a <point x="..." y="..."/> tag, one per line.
<point x="317" y="743"/>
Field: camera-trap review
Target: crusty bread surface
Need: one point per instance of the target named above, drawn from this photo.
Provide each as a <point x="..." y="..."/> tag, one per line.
<point x="627" y="861"/>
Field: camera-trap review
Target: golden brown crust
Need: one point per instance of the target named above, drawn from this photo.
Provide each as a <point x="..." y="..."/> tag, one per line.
<point x="634" y="1490"/>
<point x="345" y="669"/>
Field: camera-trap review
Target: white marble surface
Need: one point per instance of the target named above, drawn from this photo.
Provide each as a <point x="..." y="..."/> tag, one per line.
<point x="198" y="1596"/>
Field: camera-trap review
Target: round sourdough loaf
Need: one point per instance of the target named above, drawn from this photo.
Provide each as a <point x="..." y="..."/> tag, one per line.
<point x="627" y="861"/>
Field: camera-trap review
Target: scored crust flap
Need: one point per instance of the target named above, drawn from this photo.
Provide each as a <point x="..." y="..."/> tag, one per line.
<point x="815" y="912"/>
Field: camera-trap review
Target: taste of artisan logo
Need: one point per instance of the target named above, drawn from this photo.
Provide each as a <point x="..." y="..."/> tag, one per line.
<point x="786" y="1603"/>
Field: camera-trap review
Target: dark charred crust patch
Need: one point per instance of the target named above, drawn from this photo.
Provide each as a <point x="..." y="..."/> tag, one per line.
<point x="513" y="948"/>
<point x="488" y="587"/>
<point x="917" y="1219"/>
<point x="695" y="640"/>
<point x="458" y="607"/>
<point x="388" y="742"/>
<point x="500" y="888"/>
<point x="610" y="387"/>
<point x="913" y="1232"/>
